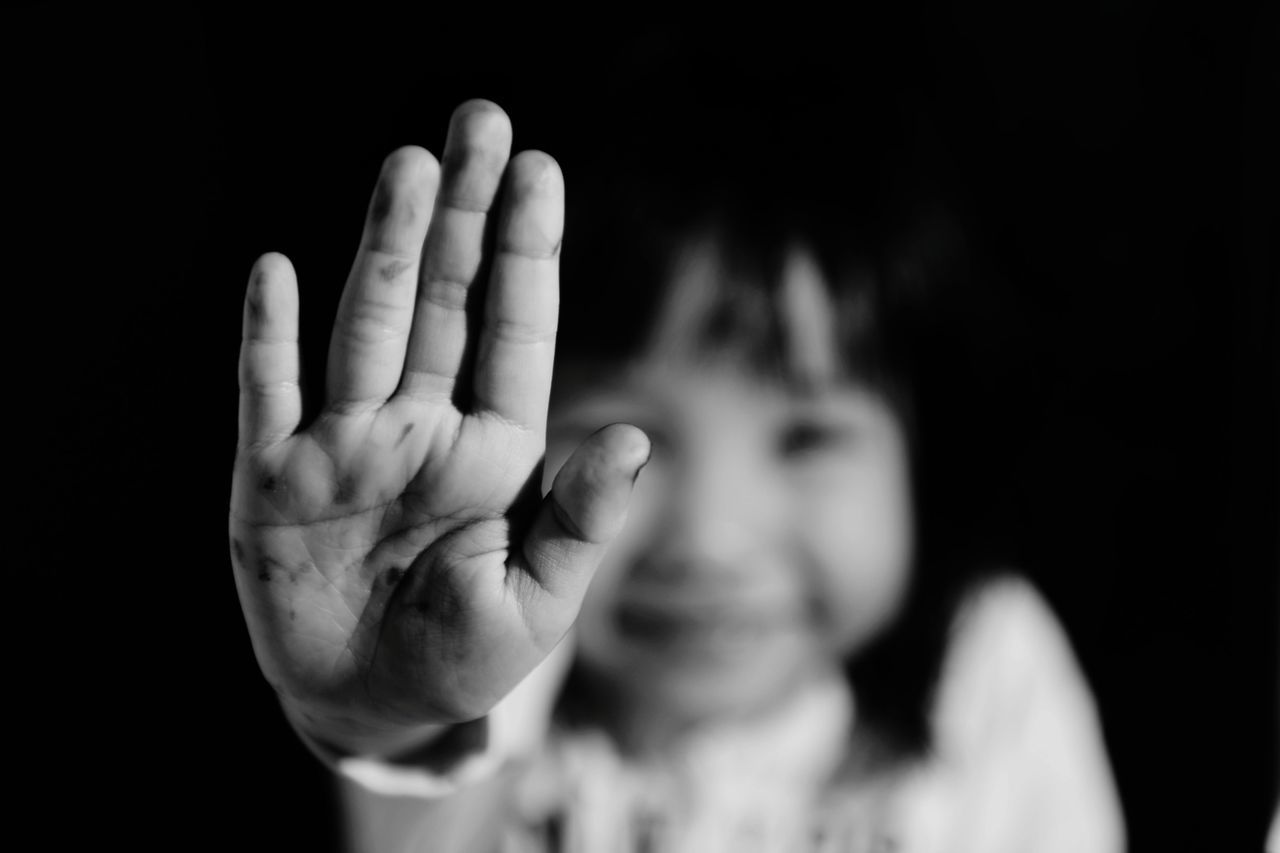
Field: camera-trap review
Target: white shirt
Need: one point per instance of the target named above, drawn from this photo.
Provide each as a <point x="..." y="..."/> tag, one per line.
<point x="1018" y="765"/>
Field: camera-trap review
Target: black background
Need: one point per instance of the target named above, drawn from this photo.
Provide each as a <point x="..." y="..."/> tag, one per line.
<point x="1121" y="158"/>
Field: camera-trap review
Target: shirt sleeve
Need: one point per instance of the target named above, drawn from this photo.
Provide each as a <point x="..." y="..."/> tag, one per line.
<point x="441" y="797"/>
<point x="1020" y="762"/>
<point x="471" y="752"/>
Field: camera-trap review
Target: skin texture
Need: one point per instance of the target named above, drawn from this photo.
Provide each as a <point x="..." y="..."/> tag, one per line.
<point x="397" y="566"/>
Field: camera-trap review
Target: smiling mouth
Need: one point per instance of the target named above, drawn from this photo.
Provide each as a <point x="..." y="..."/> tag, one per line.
<point x="716" y="632"/>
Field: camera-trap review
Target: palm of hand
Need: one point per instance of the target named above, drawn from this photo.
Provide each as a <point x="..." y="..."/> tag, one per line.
<point x="394" y="559"/>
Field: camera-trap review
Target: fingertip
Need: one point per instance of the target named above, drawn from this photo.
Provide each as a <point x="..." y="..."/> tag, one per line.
<point x="536" y="172"/>
<point x="628" y="445"/>
<point x="270" y="265"/>
<point x="412" y="162"/>
<point x="593" y="488"/>
<point x="272" y="289"/>
<point x="532" y="223"/>
<point x="407" y="183"/>
<point x="475" y="155"/>
<point x="481" y="120"/>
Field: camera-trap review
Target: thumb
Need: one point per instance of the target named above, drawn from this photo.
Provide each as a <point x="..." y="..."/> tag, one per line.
<point x="584" y="510"/>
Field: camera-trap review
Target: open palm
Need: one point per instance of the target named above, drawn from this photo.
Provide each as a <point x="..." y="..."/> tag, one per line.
<point x="397" y="564"/>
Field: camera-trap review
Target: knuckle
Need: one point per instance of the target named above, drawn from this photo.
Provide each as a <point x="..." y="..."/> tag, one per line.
<point x="447" y="293"/>
<point x="259" y="387"/>
<point x="520" y="332"/>
<point x="370" y="328"/>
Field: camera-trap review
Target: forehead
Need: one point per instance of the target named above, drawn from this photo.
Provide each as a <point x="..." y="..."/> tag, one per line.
<point x="721" y="308"/>
<point x="771" y="310"/>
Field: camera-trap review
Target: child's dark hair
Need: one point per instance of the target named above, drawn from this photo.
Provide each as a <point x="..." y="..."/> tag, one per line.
<point x="757" y="162"/>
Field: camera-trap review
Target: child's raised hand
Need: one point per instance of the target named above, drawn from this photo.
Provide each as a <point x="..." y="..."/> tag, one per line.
<point x="397" y="566"/>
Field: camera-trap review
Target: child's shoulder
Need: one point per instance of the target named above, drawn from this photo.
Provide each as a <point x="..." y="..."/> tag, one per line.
<point x="1018" y="759"/>
<point x="1004" y="606"/>
<point x="1008" y="661"/>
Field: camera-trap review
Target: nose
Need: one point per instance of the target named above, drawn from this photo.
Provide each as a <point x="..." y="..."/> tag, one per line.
<point x="714" y="518"/>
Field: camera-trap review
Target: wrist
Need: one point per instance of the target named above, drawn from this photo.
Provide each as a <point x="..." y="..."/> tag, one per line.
<point x="335" y="736"/>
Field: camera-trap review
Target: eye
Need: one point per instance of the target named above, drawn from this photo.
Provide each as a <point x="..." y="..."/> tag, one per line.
<point x="805" y="437"/>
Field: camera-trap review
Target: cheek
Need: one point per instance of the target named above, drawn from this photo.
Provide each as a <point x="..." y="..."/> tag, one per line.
<point x="859" y="539"/>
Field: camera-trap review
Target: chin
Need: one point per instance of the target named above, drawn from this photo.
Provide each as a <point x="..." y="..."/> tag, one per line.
<point x="707" y="687"/>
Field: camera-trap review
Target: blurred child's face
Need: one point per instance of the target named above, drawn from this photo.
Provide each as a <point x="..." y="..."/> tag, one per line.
<point x="768" y="537"/>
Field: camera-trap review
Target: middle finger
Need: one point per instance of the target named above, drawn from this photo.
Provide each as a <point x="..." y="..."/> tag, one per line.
<point x="475" y="156"/>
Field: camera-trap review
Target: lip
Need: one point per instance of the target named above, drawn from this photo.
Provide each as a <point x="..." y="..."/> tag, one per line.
<point x="701" y="629"/>
<point x="720" y="597"/>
